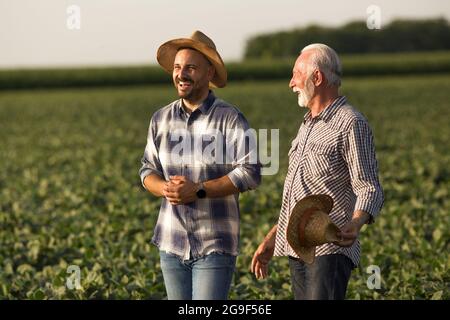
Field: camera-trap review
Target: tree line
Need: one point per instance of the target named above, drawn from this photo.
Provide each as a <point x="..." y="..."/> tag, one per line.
<point x="355" y="37"/>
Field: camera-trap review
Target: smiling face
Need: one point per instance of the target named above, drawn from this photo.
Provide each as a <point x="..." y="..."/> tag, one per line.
<point x="192" y="73"/>
<point x="301" y="82"/>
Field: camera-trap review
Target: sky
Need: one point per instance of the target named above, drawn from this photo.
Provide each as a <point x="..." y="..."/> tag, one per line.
<point x="34" y="33"/>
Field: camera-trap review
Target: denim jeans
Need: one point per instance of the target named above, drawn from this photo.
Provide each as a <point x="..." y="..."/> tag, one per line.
<point x="325" y="279"/>
<point x="205" y="278"/>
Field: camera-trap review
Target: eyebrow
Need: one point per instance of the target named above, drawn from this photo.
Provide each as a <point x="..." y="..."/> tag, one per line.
<point x="188" y="65"/>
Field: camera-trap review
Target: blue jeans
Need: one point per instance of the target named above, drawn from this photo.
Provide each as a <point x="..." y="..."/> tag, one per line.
<point x="325" y="279"/>
<point x="205" y="278"/>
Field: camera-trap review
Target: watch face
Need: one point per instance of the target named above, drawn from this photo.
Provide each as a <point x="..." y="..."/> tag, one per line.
<point x="201" y="193"/>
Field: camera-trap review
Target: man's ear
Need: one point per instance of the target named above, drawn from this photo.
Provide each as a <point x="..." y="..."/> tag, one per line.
<point x="211" y="72"/>
<point x="318" y="78"/>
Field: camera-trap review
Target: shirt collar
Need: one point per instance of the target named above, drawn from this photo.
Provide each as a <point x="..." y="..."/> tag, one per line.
<point x="327" y="113"/>
<point x="204" y="107"/>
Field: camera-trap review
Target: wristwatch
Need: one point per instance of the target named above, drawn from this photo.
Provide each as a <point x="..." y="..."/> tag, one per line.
<point x="201" y="193"/>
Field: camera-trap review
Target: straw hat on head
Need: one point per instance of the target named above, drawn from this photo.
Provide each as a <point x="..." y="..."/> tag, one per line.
<point x="310" y="226"/>
<point x="197" y="41"/>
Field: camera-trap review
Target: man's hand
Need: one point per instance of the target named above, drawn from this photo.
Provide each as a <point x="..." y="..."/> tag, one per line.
<point x="180" y="190"/>
<point x="260" y="261"/>
<point x="262" y="255"/>
<point x="348" y="235"/>
<point x="350" y="231"/>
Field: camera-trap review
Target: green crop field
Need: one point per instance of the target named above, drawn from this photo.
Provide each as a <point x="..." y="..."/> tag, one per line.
<point x="355" y="65"/>
<point x="70" y="193"/>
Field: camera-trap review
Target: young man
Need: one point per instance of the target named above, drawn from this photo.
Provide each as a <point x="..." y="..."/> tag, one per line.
<point x="198" y="161"/>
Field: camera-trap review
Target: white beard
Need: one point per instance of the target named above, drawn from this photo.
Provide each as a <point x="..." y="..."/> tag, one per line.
<point x="305" y="95"/>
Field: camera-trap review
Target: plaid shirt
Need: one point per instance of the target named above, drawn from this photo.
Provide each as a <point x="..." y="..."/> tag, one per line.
<point x="332" y="154"/>
<point x="210" y="224"/>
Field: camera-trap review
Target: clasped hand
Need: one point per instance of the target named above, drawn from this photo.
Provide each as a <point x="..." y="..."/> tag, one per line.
<point x="180" y="190"/>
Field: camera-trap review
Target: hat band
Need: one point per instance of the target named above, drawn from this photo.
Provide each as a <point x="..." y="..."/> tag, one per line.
<point x="303" y="221"/>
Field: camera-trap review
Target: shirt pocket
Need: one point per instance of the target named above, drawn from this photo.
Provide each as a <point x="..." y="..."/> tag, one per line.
<point x="292" y="150"/>
<point x="320" y="160"/>
<point x="291" y="153"/>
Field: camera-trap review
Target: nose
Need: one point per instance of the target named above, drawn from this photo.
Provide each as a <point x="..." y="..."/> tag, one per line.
<point x="183" y="72"/>
<point x="292" y="83"/>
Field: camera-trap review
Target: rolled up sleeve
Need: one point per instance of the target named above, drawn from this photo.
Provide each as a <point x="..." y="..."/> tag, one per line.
<point x="150" y="160"/>
<point x="363" y="168"/>
<point x="246" y="173"/>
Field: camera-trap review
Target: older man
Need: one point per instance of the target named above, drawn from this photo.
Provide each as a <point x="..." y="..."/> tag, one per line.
<point x="333" y="154"/>
<point x="197" y="160"/>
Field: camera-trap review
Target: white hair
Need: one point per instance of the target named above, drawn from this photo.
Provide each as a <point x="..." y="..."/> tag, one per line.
<point x="327" y="61"/>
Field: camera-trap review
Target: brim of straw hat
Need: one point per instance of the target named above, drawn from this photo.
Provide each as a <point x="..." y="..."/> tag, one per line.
<point x="168" y="50"/>
<point x="322" y="203"/>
